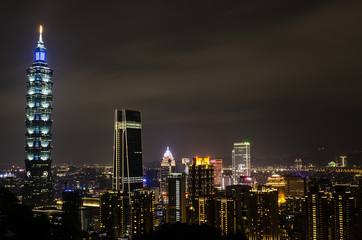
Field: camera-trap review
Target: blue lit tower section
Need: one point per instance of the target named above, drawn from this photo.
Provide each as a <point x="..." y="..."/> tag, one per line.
<point x="38" y="189"/>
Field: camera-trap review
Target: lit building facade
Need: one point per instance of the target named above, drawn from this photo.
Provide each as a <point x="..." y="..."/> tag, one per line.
<point x="225" y="212"/>
<point x="241" y="160"/>
<point x="176" y="192"/>
<point x="218" y="212"/>
<point x="343" y="204"/>
<point x="318" y="214"/>
<point x="277" y="182"/>
<point x="217" y="163"/>
<point x="200" y="184"/>
<point x="263" y="213"/>
<point x="201" y="177"/>
<point x="112" y="214"/>
<point x="142" y="212"/>
<point x="38" y="188"/>
<point x="127" y="153"/>
<point x="168" y="166"/>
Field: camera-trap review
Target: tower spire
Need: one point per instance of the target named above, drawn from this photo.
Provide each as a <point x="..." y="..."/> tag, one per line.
<point x="40" y="33"/>
<point x="40" y="42"/>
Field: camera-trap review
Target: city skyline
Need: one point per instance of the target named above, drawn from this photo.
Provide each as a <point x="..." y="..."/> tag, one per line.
<point x="284" y="76"/>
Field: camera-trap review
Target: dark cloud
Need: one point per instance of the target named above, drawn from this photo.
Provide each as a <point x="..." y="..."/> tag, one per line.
<point x="284" y="75"/>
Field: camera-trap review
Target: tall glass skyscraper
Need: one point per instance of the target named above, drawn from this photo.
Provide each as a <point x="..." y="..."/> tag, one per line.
<point x="127" y="154"/>
<point x="241" y="160"/>
<point x="38" y="189"/>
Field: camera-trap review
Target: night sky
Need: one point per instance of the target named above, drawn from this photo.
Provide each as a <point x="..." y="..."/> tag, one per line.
<point x="284" y="75"/>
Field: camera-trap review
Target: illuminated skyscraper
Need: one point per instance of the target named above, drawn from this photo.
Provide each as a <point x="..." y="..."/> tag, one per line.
<point x="38" y="189"/>
<point x="168" y="166"/>
<point x="200" y="184"/>
<point x="263" y="213"/>
<point x="241" y="160"/>
<point x="201" y="178"/>
<point x="127" y="153"/>
<point x="176" y="192"/>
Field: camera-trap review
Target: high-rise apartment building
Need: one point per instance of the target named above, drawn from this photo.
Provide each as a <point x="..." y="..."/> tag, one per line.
<point x="112" y="214"/>
<point x="218" y="212"/>
<point x="200" y="183"/>
<point x="168" y="166"/>
<point x="176" y="192"/>
<point x="318" y="212"/>
<point x="127" y="153"/>
<point x="344" y="209"/>
<point x="201" y="177"/>
<point x="263" y="213"/>
<point x="241" y="160"/>
<point x="240" y="194"/>
<point x="38" y="189"/>
<point x="142" y="212"/>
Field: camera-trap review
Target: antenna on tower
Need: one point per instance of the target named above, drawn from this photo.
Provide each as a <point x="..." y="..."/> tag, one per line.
<point x="40" y="33"/>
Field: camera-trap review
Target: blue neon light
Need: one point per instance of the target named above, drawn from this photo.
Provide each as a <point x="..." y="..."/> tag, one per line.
<point x="39" y="55"/>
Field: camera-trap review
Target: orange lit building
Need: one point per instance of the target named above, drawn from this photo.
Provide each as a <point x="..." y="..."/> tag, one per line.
<point x="277" y="182"/>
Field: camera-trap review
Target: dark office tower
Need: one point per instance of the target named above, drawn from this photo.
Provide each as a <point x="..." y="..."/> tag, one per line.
<point x="72" y="203"/>
<point x="176" y="207"/>
<point x="142" y="213"/>
<point x="343" y="204"/>
<point x="151" y="176"/>
<point x="295" y="186"/>
<point x="263" y="213"/>
<point x="112" y="214"/>
<point x="318" y="213"/>
<point x="200" y="183"/>
<point x="38" y="189"/>
<point x="127" y="154"/>
<point x="168" y="166"/>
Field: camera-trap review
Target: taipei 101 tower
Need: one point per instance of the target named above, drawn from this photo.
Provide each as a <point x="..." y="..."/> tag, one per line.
<point x="38" y="188"/>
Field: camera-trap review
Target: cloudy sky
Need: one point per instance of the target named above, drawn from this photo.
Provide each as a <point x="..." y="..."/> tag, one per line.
<point x="284" y="75"/>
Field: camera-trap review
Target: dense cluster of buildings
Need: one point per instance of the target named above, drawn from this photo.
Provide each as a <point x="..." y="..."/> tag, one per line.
<point x="127" y="200"/>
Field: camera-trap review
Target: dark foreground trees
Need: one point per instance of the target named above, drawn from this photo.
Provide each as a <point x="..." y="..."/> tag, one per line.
<point x="18" y="222"/>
